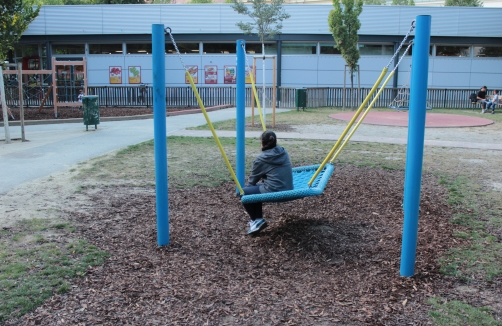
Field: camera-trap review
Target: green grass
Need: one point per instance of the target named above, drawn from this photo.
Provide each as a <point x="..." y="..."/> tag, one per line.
<point x="34" y="266"/>
<point x="454" y="313"/>
<point x="196" y="161"/>
<point x="481" y="257"/>
<point x="313" y="116"/>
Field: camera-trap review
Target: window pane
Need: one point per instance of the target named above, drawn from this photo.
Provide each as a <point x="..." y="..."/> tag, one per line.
<point x="452" y="51"/>
<point x="329" y="48"/>
<point x="221" y="48"/>
<point x="30" y="50"/>
<point x="299" y="48"/>
<point x="388" y="49"/>
<point x="255" y="48"/>
<point x="145" y="48"/>
<point x="68" y="49"/>
<point x="370" y="49"/>
<point x="105" y="48"/>
<point x="488" y="51"/>
<point x="185" y="48"/>
<point x="410" y="51"/>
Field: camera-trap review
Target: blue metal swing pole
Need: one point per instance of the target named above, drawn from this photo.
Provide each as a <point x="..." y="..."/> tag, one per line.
<point x="415" y="149"/>
<point x="241" y="110"/>
<point x="159" y="132"/>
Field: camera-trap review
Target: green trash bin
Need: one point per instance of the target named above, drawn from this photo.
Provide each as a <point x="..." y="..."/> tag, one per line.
<point x="301" y="98"/>
<point x="91" y="111"/>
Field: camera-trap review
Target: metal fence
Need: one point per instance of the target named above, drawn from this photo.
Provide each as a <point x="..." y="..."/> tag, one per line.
<point x="141" y="96"/>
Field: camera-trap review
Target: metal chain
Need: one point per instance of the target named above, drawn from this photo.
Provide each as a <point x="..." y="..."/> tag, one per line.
<point x="167" y="30"/>
<point x="402" y="57"/>
<point x="412" y="27"/>
<point x="246" y="56"/>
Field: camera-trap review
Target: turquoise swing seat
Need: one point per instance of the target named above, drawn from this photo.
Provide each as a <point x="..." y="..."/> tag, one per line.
<point x="301" y="178"/>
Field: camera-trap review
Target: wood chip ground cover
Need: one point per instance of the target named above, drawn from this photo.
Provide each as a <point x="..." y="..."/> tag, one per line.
<point x="332" y="259"/>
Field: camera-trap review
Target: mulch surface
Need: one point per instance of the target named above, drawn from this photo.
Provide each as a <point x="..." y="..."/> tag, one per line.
<point x="68" y="113"/>
<point x="322" y="261"/>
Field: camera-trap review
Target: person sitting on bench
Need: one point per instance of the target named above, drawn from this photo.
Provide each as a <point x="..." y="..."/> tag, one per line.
<point x="481" y="96"/>
<point x="494" y="101"/>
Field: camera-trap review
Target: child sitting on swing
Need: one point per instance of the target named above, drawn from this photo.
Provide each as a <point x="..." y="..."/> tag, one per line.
<point x="273" y="166"/>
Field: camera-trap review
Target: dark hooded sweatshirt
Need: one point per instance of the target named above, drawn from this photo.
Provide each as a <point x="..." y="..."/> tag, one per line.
<point x="274" y="168"/>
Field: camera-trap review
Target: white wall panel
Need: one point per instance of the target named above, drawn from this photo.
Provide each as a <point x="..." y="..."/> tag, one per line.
<point x="384" y="18"/>
<point x="130" y="19"/>
<point x="67" y="20"/>
<point x="300" y="62"/>
<point x="297" y="78"/>
<point x="330" y="62"/>
<point x="452" y="79"/>
<point x="330" y="78"/>
<point x="305" y="19"/>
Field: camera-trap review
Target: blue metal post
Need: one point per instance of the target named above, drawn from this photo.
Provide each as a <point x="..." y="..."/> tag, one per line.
<point x="241" y="110"/>
<point x="159" y="132"/>
<point x="415" y="150"/>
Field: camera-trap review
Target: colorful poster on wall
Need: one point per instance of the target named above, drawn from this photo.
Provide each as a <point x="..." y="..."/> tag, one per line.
<point x="248" y="75"/>
<point x="230" y="74"/>
<point x="115" y="74"/>
<point x="211" y="74"/>
<point x="134" y="75"/>
<point x="194" y="72"/>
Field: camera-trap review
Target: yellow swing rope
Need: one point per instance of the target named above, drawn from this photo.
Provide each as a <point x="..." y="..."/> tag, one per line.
<point x="253" y="87"/>
<point x="370" y="106"/>
<point x="203" y="109"/>
<point x="356" y="115"/>
<point x="354" y="118"/>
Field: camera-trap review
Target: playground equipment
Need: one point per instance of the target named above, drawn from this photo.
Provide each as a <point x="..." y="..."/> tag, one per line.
<point x="67" y="78"/>
<point x="319" y="174"/>
<point x="251" y="73"/>
<point x="274" y="91"/>
<point x="322" y="173"/>
<point x="402" y="100"/>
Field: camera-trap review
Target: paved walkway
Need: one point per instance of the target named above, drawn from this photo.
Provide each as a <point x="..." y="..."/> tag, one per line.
<point x="55" y="147"/>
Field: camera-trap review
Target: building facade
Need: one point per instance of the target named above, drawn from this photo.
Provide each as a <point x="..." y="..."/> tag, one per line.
<point x="115" y="40"/>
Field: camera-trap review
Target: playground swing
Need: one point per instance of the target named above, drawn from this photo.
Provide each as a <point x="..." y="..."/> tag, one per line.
<point x="318" y="175"/>
<point x="402" y="100"/>
<point x="253" y="87"/>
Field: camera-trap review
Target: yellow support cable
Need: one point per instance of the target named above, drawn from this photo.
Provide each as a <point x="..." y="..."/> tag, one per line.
<point x="330" y="154"/>
<point x="363" y="116"/>
<point x="227" y="162"/>
<point x="257" y="101"/>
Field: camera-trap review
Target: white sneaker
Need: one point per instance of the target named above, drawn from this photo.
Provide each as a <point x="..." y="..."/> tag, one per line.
<point x="257" y="225"/>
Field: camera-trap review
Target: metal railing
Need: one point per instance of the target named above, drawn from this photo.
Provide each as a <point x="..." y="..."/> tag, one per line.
<point x="141" y="96"/>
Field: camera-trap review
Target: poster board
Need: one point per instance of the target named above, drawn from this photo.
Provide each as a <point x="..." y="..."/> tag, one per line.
<point x="134" y="74"/>
<point x="194" y="72"/>
<point x="211" y="74"/>
<point x="230" y="75"/>
<point x="115" y="74"/>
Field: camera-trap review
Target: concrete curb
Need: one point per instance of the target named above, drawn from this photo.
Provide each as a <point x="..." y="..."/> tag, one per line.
<point x="17" y="123"/>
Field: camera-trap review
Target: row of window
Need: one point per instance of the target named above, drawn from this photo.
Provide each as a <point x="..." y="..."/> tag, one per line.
<point x="251" y="48"/>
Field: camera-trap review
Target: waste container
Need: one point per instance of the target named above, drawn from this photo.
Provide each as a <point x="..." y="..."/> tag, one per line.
<point x="301" y="98"/>
<point x="91" y="111"/>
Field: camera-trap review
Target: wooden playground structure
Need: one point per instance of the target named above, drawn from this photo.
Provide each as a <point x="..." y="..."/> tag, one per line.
<point x="64" y="80"/>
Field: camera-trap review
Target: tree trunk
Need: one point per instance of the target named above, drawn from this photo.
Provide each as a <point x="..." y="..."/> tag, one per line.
<point x="4" y="108"/>
<point x="263" y="95"/>
<point x="352" y="89"/>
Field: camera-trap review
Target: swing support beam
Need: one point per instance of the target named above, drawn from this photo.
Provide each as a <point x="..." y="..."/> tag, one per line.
<point x="415" y="148"/>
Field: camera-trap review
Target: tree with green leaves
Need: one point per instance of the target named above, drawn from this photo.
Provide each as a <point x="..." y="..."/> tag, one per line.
<point x="463" y="3"/>
<point x="266" y="23"/>
<point x="375" y="2"/>
<point x="403" y="2"/>
<point x="344" y="24"/>
<point x="15" y="16"/>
